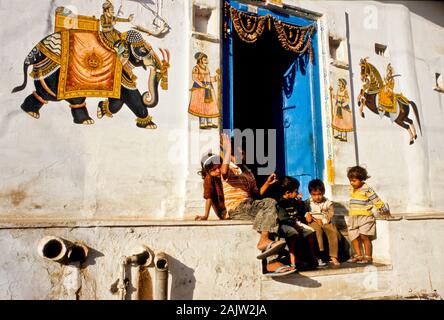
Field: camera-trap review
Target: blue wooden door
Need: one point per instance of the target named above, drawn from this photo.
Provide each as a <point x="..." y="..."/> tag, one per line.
<point x="302" y="123"/>
<point x="299" y="109"/>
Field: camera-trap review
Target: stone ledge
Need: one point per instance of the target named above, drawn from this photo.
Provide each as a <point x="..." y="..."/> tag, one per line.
<point x="425" y="216"/>
<point x="414" y="296"/>
<point x="344" y="268"/>
<point x="27" y="223"/>
<point x="408" y="216"/>
<point x="22" y="222"/>
<point x="439" y="89"/>
<point x="339" y="64"/>
<point x="205" y="36"/>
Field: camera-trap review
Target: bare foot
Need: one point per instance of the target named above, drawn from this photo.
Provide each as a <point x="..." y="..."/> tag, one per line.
<point x="334" y="261"/>
<point x="273" y="266"/>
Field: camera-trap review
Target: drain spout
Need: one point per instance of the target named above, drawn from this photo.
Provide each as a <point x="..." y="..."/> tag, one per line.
<point x="141" y="256"/>
<point x="53" y="248"/>
<point x="77" y="253"/>
<point x="62" y="251"/>
<point x="161" y="267"/>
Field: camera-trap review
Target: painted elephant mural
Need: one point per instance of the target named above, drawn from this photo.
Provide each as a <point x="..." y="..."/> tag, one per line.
<point x="75" y="63"/>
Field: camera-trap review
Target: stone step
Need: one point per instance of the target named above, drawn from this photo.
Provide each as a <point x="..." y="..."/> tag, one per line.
<point x="348" y="281"/>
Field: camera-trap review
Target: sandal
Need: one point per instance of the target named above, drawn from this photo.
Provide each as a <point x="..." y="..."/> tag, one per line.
<point x="355" y="259"/>
<point x="279" y="273"/>
<point x="366" y="260"/>
<point x="334" y="263"/>
<point x="272" y="248"/>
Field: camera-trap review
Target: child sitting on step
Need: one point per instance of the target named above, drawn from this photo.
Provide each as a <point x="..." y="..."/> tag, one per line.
<point x="291" y="211"/>
<point x="319" y="218"/>
<point x="213" y="190"/>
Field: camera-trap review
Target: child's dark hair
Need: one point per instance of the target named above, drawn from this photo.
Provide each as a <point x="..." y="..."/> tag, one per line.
<point x="208" y="162"/>
<point x="316" y="185"/>
<point x="357" y="172"/>
<point x="289" y="184"/>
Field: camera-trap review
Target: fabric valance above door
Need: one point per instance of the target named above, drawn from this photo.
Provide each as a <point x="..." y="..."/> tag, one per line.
<point x="250" y="27"/>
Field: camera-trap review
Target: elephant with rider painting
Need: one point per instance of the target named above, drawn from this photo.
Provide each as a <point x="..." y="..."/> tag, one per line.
<point x="56" y="69"/>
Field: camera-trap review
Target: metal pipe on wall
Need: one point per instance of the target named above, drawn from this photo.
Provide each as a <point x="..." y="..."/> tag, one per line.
<point x="71" y="255"/>
<point x="53" y="248"/>
<point x="62" y="250"/>
<point x="140" y="256"/>
<point x="161" y="267"/>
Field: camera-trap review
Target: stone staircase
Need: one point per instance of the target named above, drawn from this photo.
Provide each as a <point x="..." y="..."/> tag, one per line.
<point x="348" y="281"/>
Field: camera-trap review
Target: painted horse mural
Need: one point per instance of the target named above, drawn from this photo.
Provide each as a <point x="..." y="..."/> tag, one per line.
<point x="75" y="63"/>
<point x="378" y="96"/>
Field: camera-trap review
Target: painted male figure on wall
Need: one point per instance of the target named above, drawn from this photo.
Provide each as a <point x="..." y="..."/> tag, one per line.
<point x="379" y="97"/>
<point x="108" y="20"/>
<point x="107" y="23"/>
<point x="386" y="98"/>
<point x="204" y="101"/>
<point x="342" y="114"/>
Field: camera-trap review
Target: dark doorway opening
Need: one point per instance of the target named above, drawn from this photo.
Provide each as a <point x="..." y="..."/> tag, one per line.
<point x="258" y="70"/>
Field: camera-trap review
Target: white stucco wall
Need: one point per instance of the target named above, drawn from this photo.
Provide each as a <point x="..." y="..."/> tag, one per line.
<point x="113" y="170"/>
<point x="213" y="262"/>
<point x="52" y="167"/>
<point x="197" y="256"/>
<point x="405" y="176"/>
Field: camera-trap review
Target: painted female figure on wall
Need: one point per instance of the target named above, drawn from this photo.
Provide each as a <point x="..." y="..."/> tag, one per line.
<point x="204" y="101"/>
<point x="342" y="116"/>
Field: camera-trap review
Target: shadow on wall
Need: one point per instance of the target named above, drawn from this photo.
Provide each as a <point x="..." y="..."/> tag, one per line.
<point x="299" y="280"/>
<point x="430" y="10"/>
<point x="93" y="254"/>
<point x="338" y="218"/>
<point x="183" y="280"/>
<point x="345" y="248"/>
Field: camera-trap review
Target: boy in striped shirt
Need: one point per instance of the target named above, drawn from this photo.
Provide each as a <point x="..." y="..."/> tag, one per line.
<point x="361" y="222"/>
